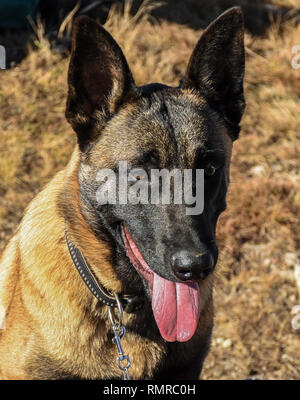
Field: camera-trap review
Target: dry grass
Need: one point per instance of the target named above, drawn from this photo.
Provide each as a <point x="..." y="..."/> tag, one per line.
<point x="258" y="234"/>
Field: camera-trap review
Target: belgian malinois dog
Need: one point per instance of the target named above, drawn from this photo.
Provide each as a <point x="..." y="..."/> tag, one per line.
<point x="77" y="272"/>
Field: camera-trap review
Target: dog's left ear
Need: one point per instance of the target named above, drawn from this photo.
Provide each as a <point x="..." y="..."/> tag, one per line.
<point x="99" y="80"/>
<point x="216" y="67"/>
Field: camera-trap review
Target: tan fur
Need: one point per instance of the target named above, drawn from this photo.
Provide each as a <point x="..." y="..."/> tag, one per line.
<point x="52" y="320"/>
<point x="55" y="328"/>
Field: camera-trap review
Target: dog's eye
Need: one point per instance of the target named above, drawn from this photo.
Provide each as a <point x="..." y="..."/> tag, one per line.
<point x="137" y="175"/>
<point x="209" y="170"/>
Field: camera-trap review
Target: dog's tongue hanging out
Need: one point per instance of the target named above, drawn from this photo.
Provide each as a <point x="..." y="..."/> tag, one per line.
<point x="175" y="305"/>
<point x="175" y="308"/>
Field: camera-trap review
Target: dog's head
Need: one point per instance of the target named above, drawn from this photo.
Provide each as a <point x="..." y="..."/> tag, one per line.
<point x="161" y="248"/>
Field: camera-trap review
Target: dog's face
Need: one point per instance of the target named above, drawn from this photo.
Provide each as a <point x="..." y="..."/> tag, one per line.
<point x="158" y="248"/>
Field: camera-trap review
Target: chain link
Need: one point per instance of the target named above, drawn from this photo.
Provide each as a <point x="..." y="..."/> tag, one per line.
<point x="119" y="330"/>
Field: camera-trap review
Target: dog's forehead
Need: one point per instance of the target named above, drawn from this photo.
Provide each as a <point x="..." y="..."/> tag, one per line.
<point x="183" y="116"/>
<point x="172" y="122"/>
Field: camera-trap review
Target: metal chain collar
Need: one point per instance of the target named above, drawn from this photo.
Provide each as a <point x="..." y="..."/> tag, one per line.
<point x="119" y="330"/>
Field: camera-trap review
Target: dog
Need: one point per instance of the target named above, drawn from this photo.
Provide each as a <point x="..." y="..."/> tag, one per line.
<point x="81" y="280"/>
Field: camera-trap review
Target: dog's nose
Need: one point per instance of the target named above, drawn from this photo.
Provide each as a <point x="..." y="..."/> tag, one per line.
<point x="188" y="265"/>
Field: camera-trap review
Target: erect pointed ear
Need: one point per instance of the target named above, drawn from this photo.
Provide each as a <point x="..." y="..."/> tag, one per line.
<point x="216" y="67"/>
<point x="99" y="80"/>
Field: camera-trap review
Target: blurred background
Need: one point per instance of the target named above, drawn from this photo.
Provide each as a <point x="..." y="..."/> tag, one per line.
<point x="257" y="290"/>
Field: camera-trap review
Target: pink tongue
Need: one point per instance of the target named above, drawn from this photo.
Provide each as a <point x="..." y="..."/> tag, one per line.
<point x="176" y="308"/>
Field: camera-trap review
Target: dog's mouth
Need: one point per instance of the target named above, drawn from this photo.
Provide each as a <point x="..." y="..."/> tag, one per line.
<point x="175" y="305"/>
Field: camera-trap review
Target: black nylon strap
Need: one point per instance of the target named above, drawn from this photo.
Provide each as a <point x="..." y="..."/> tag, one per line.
<point x="129" y="303"/>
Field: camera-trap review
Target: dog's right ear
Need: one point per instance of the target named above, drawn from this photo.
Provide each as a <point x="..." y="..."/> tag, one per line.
<point x="99" y="80"/>
<point x="216" y="67"/>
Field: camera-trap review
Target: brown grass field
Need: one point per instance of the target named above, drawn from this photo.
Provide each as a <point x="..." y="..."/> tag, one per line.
<point x="259" y="234"/>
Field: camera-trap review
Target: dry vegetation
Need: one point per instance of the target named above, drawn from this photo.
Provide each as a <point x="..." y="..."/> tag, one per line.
<point x="258" y="234"/>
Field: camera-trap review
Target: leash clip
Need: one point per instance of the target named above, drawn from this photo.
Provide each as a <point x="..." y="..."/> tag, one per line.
<point x="119" y="330"/>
